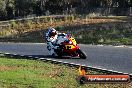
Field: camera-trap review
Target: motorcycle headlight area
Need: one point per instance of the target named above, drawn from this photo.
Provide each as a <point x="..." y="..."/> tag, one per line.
<point x="70" y="42"/>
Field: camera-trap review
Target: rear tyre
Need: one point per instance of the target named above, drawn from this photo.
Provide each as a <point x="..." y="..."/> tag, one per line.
<point x="59" y="53"/>
<point x="81" y="54"/>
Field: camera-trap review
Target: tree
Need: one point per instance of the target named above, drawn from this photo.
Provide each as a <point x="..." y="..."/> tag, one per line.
<point x="2" y="10"/>
<point x="10" y="9"/>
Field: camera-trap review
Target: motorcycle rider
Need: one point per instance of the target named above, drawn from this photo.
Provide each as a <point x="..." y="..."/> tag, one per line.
<point x="51" y="38"/>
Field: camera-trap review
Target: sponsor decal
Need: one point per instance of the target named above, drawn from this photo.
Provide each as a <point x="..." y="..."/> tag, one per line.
<point x="88" y="78"/>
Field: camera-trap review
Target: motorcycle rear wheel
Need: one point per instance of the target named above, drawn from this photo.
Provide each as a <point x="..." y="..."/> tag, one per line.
<point x="59" y="53"/>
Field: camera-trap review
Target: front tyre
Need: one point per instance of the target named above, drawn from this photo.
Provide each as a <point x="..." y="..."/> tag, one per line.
<point x="81" y="54"/>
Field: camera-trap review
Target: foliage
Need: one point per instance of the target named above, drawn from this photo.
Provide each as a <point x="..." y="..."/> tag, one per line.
<point x="12" y="9"/>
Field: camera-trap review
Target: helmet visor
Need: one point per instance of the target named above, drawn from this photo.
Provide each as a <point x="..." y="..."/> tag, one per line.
<point x="53" y="34"/>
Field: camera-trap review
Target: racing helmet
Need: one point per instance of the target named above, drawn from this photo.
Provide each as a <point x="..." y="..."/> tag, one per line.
<point x="52" y="32"/>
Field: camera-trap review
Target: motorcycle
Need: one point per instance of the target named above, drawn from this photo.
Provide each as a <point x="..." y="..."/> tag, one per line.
<point x="67" y="46"/>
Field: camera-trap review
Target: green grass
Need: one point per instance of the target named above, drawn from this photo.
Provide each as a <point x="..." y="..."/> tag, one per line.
<point x="22" y="73"/>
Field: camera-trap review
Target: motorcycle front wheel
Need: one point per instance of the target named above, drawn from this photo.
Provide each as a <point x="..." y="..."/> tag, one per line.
<point x="81" y="54"/>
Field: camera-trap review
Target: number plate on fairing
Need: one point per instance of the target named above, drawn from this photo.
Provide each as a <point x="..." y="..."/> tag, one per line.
<point x="69" y="47"/>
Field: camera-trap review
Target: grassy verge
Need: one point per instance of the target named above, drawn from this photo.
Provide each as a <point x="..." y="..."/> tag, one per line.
<point x="22" y="73"/>
<point x="101" y="30"/>
<point x="15" y="27"/>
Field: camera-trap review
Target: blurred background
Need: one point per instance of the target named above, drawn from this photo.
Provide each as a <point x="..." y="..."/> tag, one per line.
<point x="89" y="21"/>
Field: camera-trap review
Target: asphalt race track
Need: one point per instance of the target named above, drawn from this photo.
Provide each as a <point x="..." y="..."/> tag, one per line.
<point x="106" y="57"/>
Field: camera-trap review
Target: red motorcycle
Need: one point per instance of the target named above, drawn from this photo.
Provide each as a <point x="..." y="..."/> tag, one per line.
<point x="69" y="47"/>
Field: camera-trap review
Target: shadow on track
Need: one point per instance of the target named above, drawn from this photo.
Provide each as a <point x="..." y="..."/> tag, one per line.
<point x="35" y="57"/>
<point x="49" y="56"/>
